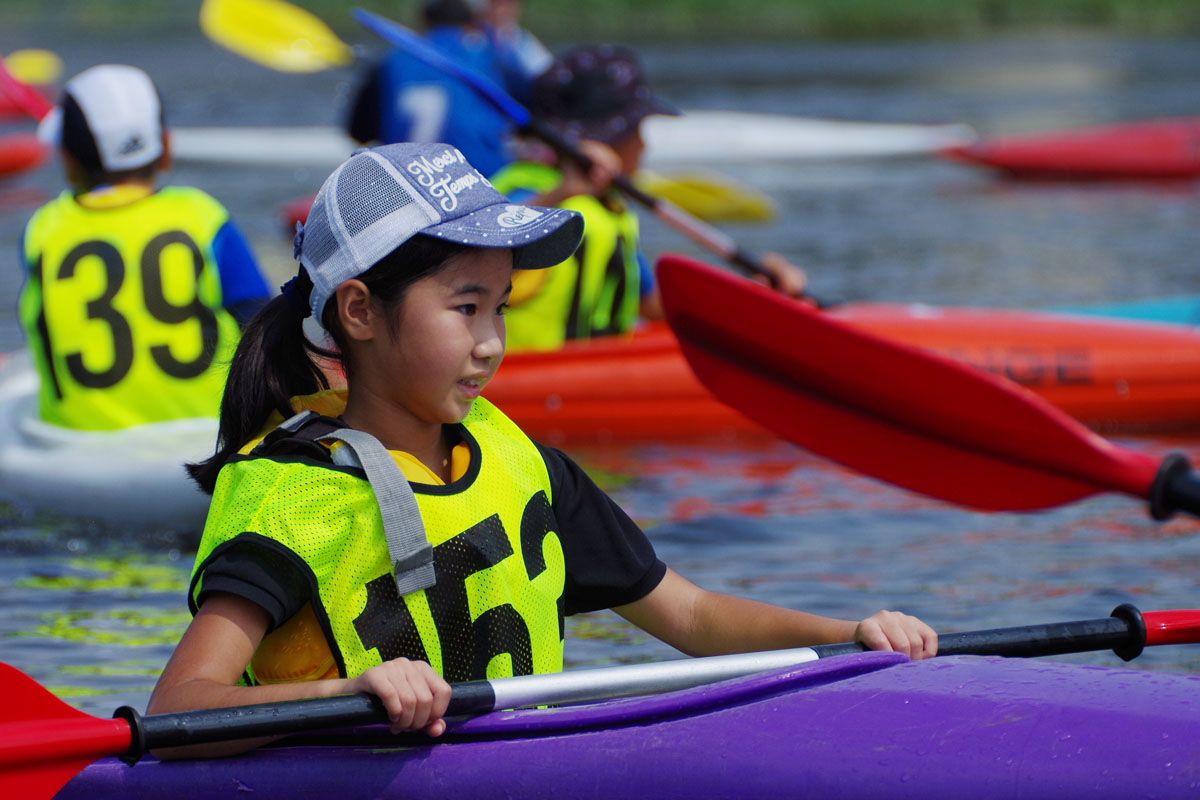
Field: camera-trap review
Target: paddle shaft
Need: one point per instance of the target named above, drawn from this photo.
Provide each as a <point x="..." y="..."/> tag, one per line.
<point x="1127" y="631"/>
<point x="706" y="236"/>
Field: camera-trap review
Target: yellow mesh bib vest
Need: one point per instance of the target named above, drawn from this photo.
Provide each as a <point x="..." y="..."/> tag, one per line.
<point x="122" y="308"/>
<point x="496" y="608"/>
<point x="596" y="292"/>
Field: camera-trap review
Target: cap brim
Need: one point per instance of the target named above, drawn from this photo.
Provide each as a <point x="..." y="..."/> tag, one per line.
<point x="656" y="105"/>
<point x="539" y="237"/>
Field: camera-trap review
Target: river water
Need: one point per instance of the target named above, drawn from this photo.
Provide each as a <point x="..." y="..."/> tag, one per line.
<point x="93" y="613"/>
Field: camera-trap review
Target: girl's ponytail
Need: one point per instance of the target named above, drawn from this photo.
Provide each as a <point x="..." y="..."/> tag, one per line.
<point x="274" y="360"/>
<point x="272" y="364"/>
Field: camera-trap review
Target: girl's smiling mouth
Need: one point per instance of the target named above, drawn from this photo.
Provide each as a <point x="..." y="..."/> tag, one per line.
<point x="471" y="387"/>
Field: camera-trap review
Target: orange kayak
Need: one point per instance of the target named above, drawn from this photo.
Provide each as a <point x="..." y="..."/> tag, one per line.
<point x="1161" y="148"/>
<point x="613" y="389"/>
<point x="1114" y="375"/>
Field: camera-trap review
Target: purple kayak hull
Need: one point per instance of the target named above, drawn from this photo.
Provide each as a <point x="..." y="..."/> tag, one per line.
<point x="867" y="726"/>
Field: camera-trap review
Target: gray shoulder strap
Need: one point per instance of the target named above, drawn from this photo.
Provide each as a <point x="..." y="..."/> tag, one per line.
<point x="409" y="550"/>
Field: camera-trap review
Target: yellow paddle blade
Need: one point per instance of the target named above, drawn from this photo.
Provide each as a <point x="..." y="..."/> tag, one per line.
<point x="275" y="34"/>
<point x="33" y="66"/>
<point x="708" y="195"/>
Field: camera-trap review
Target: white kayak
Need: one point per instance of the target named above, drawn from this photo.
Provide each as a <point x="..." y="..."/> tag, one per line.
<point x="130" y="478"/>
<point x="695" y="137"/>
<point x="720" y="136"/>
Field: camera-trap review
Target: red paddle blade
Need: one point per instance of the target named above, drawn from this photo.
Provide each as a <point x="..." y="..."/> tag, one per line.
<point x="906" y="416"/>
<point x="22" y="96"/>
<point x="44" y="742"/>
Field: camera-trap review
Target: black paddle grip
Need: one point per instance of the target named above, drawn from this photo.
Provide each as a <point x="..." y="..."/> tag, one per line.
<point x="1175" y="488"/>
<point x="262" y="720"/>
<point x="1124" y="633"/>
<point x="471" y="697"/>
<point x="276" y="719"/>
<point x="753" y="264"/>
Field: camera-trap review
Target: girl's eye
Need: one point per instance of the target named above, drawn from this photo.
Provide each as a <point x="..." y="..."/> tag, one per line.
<point x="467" y="309"/>
<point x="500" y="309"/>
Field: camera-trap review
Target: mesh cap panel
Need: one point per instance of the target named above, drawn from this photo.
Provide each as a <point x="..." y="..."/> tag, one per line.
<point x="366" y="178"/>
<point x="381" y="198"/>
<point x="316" y="230"/>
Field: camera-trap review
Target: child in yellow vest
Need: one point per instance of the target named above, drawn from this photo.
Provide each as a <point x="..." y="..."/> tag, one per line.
<point x="133" y="293"/>
<point x="403" y="533"/>
<point x="597" y="97"/>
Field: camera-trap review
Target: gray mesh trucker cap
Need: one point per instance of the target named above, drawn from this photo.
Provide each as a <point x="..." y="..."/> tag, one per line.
<point x="380" y="198"/>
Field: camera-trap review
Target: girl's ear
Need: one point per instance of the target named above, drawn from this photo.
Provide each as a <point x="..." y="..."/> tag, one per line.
<point x="355" y="310"/>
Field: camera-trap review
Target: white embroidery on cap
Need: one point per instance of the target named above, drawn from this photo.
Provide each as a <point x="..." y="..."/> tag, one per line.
<point x="430" y="173"/>
<point x="516" y="216"/>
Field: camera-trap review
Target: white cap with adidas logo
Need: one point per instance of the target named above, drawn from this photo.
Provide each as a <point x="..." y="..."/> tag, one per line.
<point x="123" y="115"/>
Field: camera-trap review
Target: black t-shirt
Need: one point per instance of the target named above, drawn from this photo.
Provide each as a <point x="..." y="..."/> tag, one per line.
<point x="609" y="560"/>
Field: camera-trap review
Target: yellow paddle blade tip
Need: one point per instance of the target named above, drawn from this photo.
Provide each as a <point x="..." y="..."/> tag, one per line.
<point x="273" y="33"/>
<point x="34" y="66"/>
<point x="709" y="195"/>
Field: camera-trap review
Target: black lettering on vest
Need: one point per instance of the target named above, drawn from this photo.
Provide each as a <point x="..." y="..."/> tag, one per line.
<point x="386" y="624"/>
<point x="101" y="308"/>
<point x="537" y="522"/>
<point x="157" y="304"/>
<point x="499" y="630"/>
<point x="164" y="311"/>
<point x="467" y="645"/>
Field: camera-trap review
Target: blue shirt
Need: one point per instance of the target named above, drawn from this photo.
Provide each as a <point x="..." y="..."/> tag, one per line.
<point x="240" y="276"/>
<point x="421" y="103"/>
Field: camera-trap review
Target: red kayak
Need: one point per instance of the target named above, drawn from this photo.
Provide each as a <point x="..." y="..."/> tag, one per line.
<point x="1162" y="148"/>
<point x="20" y="152"/>
<point x="1114" y="375"/>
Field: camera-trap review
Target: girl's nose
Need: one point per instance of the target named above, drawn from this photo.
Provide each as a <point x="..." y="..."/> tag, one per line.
<point x="490" y="345"/>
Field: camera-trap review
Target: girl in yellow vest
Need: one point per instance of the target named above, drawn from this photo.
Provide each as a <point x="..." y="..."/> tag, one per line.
<point x="598" y="97"/>
<point x="402" y="533"/>
<point x="134" y="292"/>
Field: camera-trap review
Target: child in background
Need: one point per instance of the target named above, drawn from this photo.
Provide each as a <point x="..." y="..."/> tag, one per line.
<point x="402" y="533"/>
<point x="133" y="293"/>
<point x="523" y="57"/>
<point x="404" y="99"/>
<point x="598" y="97"/>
